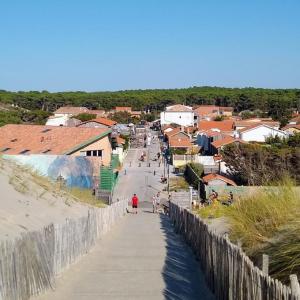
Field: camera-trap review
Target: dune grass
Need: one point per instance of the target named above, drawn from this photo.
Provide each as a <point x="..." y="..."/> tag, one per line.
<point x="269" y="222"/>
<point x="85" y="196"/>
<point x="178" y="183"/>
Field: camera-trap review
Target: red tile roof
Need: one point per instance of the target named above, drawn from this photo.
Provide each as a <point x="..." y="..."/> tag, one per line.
<point x="225" y="141"/>
<point x="103" y="121"/>
<point x="206" y="110"/>
<point x="120" y="141"/>
<point x="211" y="177"/>
<point x="296" y="126"/>
<point x="226" y="125"/>
<point x="172" y="132"/>
<point x="47" y="139"/>
<point x="180" y="143"/>
<point x="295" y="119"/>
<point x="123" y="108"/>
<point x="73" y="110"/>
<point x="179" y="108"/>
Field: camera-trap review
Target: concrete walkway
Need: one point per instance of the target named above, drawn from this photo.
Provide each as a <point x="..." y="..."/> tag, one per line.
<point x="141" y="258"/>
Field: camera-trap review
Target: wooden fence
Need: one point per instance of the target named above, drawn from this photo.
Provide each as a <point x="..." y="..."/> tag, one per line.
<point x="229" y="273"/>
<point x="29" y="264"/>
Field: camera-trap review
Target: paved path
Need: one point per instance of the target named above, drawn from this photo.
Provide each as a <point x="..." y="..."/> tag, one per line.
<point x="140" y="258"/>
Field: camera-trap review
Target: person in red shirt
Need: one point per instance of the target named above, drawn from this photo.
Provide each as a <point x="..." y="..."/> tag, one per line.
<point x="134" y="202"/>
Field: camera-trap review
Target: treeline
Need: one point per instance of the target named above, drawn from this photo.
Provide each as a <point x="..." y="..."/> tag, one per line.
<point x="277" y="103"/>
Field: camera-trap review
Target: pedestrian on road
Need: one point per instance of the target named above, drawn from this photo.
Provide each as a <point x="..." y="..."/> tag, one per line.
<point x="157" y="201"/>
<point x="154" y="203"/>
<point x="134" y="202"/>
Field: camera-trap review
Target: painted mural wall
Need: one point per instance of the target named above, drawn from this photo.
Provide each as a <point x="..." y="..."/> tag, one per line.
<point x="77" y="171"/>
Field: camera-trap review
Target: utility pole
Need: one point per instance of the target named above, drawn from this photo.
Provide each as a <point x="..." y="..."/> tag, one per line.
<point x="168" y="178"/>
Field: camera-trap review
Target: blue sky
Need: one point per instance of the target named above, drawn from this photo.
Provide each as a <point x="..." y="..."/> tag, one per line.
<point x="97" y="45"/>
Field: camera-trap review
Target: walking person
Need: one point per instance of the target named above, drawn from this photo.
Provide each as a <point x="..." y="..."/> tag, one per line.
<point x="157" y="201"/>
<point x="134" y="202"/>
<point x="154" y="203"/>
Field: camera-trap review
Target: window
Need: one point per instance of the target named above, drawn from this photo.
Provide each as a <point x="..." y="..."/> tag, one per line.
<point x="13" y="140"/>
<point x="46" y="151"/>
<point x="5" y="149"/>
<point x="94" y="153"/>
<point x="24" y="151"/>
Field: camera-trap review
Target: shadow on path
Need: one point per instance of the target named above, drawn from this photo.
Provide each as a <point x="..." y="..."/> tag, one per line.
<point x="181" y="272"/>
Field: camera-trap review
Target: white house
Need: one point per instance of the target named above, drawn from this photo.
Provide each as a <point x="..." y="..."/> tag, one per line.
<point x="64" y="114"/>
<point x="178" y="114"/>
<point x="259" y="133"/>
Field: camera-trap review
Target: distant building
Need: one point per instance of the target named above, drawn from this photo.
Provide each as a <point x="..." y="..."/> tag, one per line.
<point x="49" y="140"/>
<point x="123" y="109"/>
<point x="225" y="127"/>
<point x="178" y="114"/>
<point x="259" y="133"/>
<point x="63" y="115"/>
<point x="211" y="111"/>
<point x="218" y="180"/>
<point x="291" y="128"/>
<point x="98" y="123"/>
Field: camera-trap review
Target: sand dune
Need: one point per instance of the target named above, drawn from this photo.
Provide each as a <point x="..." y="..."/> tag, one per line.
<point x="28" y="202"/>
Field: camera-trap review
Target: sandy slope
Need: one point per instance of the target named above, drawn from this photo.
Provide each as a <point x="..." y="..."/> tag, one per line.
<point x="28" y="203"/>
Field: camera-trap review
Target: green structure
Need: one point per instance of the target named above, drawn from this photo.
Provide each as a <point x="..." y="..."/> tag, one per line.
<point x="109" y="175"/>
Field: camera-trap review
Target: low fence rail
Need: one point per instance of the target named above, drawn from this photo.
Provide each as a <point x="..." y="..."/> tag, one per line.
<point x="29" y="264"/>
<point x="229" y="272"/>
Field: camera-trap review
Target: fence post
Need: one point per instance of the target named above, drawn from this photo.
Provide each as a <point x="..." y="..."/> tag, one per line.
<point x="295" y="286"/>
<point x="265" y="264"/>
<point x="191" y="198"/>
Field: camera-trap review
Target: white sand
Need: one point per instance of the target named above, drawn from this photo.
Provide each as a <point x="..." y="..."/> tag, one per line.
<point x="25" y="205"/>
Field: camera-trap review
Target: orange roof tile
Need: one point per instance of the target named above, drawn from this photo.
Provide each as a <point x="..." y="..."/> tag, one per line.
<point x="120" y="141"/>
<point x="172" y="132"/>
<point x="103" y="121"/>
<point x="225" y="141"/>
<point x="47" y="139"/>
<point x="206" y="110"/>
<point x="73" y="110"/>
<point x="296" y="126"/>
<point x="178" y="108"/>
<point x="123" y="108"/>
<point x="211" y="177"/>
<point x="226" y="125"/>
<point x="180" y="143"/>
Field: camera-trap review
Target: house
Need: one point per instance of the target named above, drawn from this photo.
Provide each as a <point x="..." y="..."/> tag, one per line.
<point x="70" y="111"/>
<point x="226" y="140"/>
<point x="183" y="144"/>
<point x="123" y="109"/>
<point x="119" y="144"/>
<point x="205" y="138"/>
<point x="295" y="120"/>
<point x="63" y="115"/>
<point x="93" y="143"/>
<point x="225" y="127"/>
<point x="211" y="111"/>
<point x="98" y="123"/>
<point x="291" y="128"/>
<point x="241" y="124"/>
<point x="218" y="180"/>
<point x="259" y="133"/>
<point x="178" y="114"/>
<point x="177" y="133"/>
